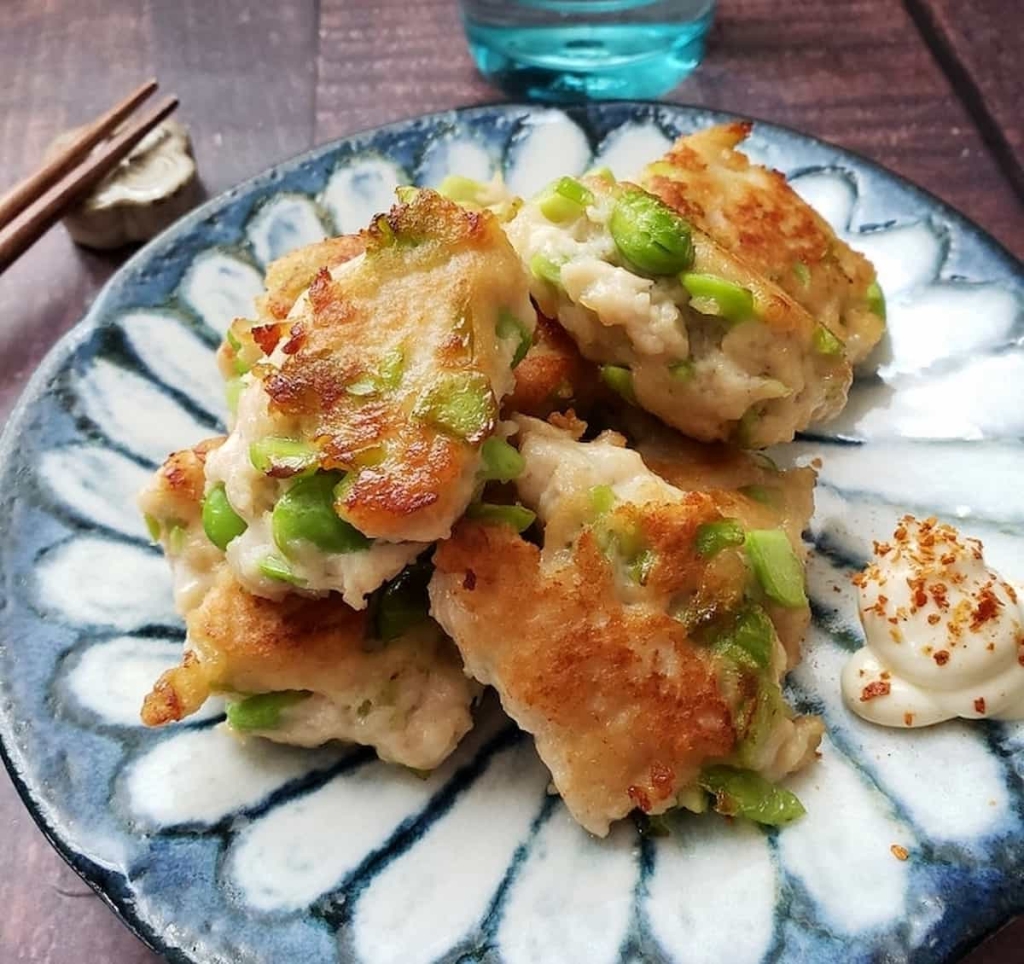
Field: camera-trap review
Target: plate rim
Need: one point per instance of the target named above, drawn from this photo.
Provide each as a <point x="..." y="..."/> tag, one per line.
<point x="117" y="897"/>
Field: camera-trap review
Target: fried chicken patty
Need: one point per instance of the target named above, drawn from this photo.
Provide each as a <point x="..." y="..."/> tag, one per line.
<point x="331" y="678"/>
<point x="753" y="213"/>
<point x="692" y="334"/>
<point x="172" y="505"/>
<point x="385" y="379"/>
<point x="618" y="643"/>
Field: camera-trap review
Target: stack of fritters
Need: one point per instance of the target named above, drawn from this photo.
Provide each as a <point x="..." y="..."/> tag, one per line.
<point x="634" y="597"/>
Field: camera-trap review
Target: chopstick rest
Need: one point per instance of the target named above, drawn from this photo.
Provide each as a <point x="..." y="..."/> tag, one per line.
<point x="148" y="190"/>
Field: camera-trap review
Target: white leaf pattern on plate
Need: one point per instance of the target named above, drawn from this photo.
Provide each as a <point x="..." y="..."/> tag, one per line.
<point x="202" y="776"/>
<point x="98" y="485"/>
<point x="707" y="865"/>
<point x="176" y="357"/>
<point x="571" y="900"/>
<point x="284" y="223"/>
<point x="547" y="145"/>
<point x="289" y="858"/>
<point x="110" y="679"/>
<point x="626" y="151"/>
<point x="870" y="891"/>
<point x="92" y="581"/>
<point x="406" y="915"/>
<point x="466" y="156"/>
<point x="150" y="427"/>
<point x="359" y="190"/>
<point x="220" y="288"/>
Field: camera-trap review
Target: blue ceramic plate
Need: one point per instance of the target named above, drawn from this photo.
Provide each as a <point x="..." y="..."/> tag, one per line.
<point x="218" y="851"/>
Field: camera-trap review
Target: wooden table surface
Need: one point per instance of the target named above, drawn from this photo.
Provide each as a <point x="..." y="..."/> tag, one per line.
<point x="929" y="88"/>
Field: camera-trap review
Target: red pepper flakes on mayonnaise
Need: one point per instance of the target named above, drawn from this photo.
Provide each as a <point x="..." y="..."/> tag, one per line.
<point x="944" y="634"/>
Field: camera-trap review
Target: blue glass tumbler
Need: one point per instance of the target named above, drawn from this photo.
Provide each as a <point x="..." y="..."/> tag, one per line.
<point x="565" y="50"/>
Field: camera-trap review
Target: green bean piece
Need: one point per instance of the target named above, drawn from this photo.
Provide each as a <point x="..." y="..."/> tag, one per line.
<point x="462" y="190"/>
<point x="282" y="458"/>
<point x="544" y="269"/>
<point x="825" y="343"/>
<point x="370" y="456"/>
<point x="876" y="299"/>
<point x="776" y="566"/>
<point x="517" y="516"/>
<point x="176" y="532"/>
<point x="274" y="567"/>
<point x="386" y="376"/>
<point x="746" y="427"/>
<point x="803" y="273"/>
<point x="232" y="390"/>
<point x="729" y="301"/>
<point x="501" y="462"/>
<point x="363" y="386"/>
<point x="602" y="500"/>
<point x="750" y="639"/>
<point x="713" y="537"/>
<point x="682" y="371"/>
<point x="641" y="565"/>
<point x="651" y="237"/>
<point x="220" y="522"/>
<point x="602" y="173"/>
<point x="152" y="526"/>
<point x="263" y="711"/>
<point x="402" y="603"/>
<point x="305" y="514"/>
<point x="565" y="200"/>
<point x="743" y="793"/>
<point x="573" y="190"/>
<point x="765" y="494"/>
<point x="620" y="381"/>
<point x="509" y="326"/>
<point x="769" y="707"/>
<point x="391" y="368"/>
<point x="460" y="404"/>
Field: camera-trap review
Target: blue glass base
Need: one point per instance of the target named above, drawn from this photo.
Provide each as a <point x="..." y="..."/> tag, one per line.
<point x="564" y="64"/>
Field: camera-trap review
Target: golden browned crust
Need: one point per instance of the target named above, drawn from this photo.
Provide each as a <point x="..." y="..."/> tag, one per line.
<point x="554" y="375"/>
<point x="623" y="705"/>
<point x="753" y="213"/>
<point x="289" y="276"/>
<point x="253" y="645"/>
<point x="286" y="278"/>
<point x="175" y="491"/>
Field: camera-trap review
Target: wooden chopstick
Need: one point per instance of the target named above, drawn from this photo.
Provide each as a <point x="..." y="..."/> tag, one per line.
<point x="41" y="215"/>
<point x="21" y="195"/>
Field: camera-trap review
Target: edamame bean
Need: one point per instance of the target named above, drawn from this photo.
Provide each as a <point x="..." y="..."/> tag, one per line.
<point x="725" y="299"/>
<point x="650" y="235"/>
<point x="220" y="522"/>
<point x="305" y="513"/>
<point x="460" y="404"/>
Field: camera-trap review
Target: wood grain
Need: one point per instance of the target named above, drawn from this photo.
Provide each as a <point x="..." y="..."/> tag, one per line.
<point x="979" y="49"/>
<point x="261" y="82"/>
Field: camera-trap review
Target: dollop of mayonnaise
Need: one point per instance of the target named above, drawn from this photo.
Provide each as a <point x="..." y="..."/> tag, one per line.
<point x="944" y="634"/>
